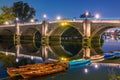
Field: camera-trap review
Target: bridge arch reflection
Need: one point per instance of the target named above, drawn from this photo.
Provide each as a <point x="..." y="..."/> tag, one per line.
<point x="31" y="39"/>
<point x="97" y="37"/>
<point x="66" y="40"/>
<point x="7" y="39"/>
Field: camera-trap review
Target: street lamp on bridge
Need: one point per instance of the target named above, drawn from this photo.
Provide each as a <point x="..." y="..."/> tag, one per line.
<point x="87" y="15"/>
<point x="97" y="16"/>
<point x="44" y="16"/>
<point x="16" y="19"/>
<point x="32" y="20"/>
<point x="58" y="17"/>
<point x="6" y="22"/>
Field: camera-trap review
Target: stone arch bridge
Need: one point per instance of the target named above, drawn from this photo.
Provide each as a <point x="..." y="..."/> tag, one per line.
<point x="89" y="29"/>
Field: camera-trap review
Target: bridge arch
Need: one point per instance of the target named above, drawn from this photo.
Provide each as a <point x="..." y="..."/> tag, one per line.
<point x="96" y="37"/>
<point x="99" y="31"/>
<point x="7" y="39"/>
<point x="61" y="27"/>
<point x="60" y="52"/>
<point x="57" y="32"/>
<point x="31" y="39"/>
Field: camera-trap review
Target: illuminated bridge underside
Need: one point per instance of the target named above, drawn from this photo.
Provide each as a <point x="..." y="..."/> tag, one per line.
<point x="59" y="29"/>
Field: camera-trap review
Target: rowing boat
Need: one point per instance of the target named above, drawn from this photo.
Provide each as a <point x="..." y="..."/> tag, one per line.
<point x="34" y="70"/>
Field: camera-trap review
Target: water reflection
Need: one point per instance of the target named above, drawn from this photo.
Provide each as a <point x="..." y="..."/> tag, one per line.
<point x="104" y="72"/>
<point x="96" y="66"/>
<point x="86" y="70"/>
<point x="7" y="41"/>
<point x="71" y="41"/>
<point x="17" y="60"/>
<point x="32" y="51"/>
<point x="68" y="48"/>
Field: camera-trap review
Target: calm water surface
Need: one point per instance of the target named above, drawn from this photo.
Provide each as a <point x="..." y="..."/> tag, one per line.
<point x="95" y="71"/>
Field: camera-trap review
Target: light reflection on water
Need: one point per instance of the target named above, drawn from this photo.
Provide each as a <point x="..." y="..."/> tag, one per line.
<point x="103" y="72"/>
<point x="111" y="45"/>
<point x="95" y="71"/>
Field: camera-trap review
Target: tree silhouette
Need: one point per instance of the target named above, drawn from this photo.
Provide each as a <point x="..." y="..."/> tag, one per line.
<point x="23" y="11"/>
<point x="6" y="15"/>
<point x="20" y="10"/>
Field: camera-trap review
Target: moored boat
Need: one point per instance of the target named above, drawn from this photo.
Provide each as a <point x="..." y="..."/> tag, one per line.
<point x="38" y="69"/>
<point x="109" y="56"/>
<point x="117" y="54"/>
<point x="80" y="62"/>
<point x="36" y="73"/>
<point x="12" y="71"/>
<point x="16" y="71"/>
<point x="97" y="58"/>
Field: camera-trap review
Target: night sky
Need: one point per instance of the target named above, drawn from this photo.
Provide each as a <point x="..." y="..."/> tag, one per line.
<point x="71" y="8"/>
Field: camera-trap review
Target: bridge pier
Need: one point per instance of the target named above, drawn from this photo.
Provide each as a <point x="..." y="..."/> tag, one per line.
<point x="86" y="40"/>
<point x="17" y="40"/>
<point x="87" y="33"/>
<point x="17" y="34"/>
<point x="44" y="53"/>
<point x="17" y="50"/>
<point x="86" y="52"/>
<point x="44" y="32"/>
<point x="87" y="27"/>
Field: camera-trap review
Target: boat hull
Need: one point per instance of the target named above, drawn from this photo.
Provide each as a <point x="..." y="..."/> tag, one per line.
<point x="80" y="62"/>
<point x="109" y="56"/>
<point x="117" y="54"/>
<point x="34" y="70"/>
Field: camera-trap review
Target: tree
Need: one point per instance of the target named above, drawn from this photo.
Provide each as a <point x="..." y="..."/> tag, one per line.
<point x="6" y="15"/>
<point x="19" y="9"/>
<point x="23" y="11"/>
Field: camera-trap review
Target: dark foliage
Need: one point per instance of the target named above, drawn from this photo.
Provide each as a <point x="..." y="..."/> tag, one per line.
<point x="23" y="11"/>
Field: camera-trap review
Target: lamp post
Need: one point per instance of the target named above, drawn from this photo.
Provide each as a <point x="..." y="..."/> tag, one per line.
<point x="32" y="20"/>
<point x="58" y="17"/>
<point x="44" y="16"/>
<point x="97" y="16"/>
